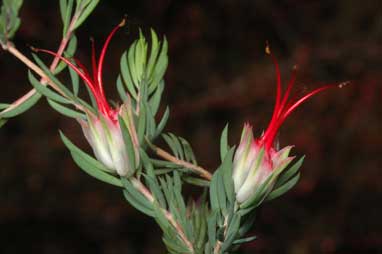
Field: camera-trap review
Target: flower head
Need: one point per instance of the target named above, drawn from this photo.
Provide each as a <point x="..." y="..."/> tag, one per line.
<point x="103" y="131"/>
<point x="257" y="161"/>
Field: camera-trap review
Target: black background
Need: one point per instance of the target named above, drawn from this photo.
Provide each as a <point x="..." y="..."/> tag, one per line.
<point x="218" y="73"/>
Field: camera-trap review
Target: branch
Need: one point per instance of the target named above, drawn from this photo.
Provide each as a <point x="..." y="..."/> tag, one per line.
<point x="197" y="169"/>
<point x="137" y="184"/>
<point x="44" y="79"/>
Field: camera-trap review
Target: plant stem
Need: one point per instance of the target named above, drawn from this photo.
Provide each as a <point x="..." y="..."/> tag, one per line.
<point x="197" y="169"/>
<point x="218" y="244"/>
<point x="44" y="79"/>
<point x="137" y="184"/>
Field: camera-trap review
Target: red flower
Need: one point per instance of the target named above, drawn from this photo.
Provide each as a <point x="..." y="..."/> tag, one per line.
<point x="256" y="161"/>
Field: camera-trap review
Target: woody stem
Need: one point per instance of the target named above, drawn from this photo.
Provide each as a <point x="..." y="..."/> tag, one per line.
<point x="196" y="169"/>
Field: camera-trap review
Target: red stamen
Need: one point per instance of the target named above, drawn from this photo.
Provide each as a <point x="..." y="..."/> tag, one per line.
<point x="283" y="108"/>
<point x="278" y="77"/>
<point x="101" y="101"/>
<point x="288" y="90"/>
<point x="290" y="109"/>
<point x="102" y="56"/>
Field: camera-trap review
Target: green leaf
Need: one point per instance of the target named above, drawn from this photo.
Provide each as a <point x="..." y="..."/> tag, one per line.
<point x="9" y="20"/>
<point x="289" y="173"/>
<point x="284" y="188"/>
<point x="67" y="16"/>
<point x="162" y="122"/>
<point x="141" y="124"/>
<point x="75" y="81"/>
<point x="66" y="111"/>
<point x="131" y="64"/>
<point x="125" y="72"/>
<point x="44" y="90"/>
<point x="4" y="105"/>
<point x="224" y="143"/>
<point x="156" y="98"/>
<point x="137" y="204"/>
<point x="174" y="145"/>
<point x="129" y="146"/>
<point x="136" y="199"/>
<point x="226" y="168"/>
<point x="2" y="122"/>
<point x="70" y="50"/>
<point x="153" y="53"/>
<point x="214" y="191"/>
<point x="46" y="70"/>
<point x="212" y="224"/>
<point x="22" y="106"/>
<point x="85" y="12"/>
<point x="63" y="6"/>
<point x="161" y="65"/>
<point x="245" y="240"/>
<point x="121" y="90"/>
<point x="187" y="150"/>
<point x="89" y="164"/>
<point x="232" y="231"/>
<point x="98" y="174"/>
<point x="196" y="181"/>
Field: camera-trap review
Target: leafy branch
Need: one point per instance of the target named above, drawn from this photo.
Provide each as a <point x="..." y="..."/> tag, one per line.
<point x="71" y="22"/>
<point x="167" y="156"/>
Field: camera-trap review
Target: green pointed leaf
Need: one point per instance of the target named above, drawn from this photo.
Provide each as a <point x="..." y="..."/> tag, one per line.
<point x="22" y="107"/>
<point x="125" y="72"/>
<point x="161" y="65"/>
<point x="156" y="98"/>
<point x="232" y="231"/>
<point x="86" y="12"/>
<point x="75" y="81"/>
<point x="44" y="90"/>
<point x="212" y="225"/>
<point x="98" y="174"/>
<point x="121" y="89"/>
<point x="245" y="240"/>
<point x="67" y="14"/>
<point x="136" y="199"/>
<point x="129" y="146"/>
<point x="63" y="6"/>
<point x="47" y="72"/>
<point x="153" y="53"/>
<point x="66" y="111"/>
<point x="289" y="173"/>
<point x="224" y="143"/>
<point x="284" y="188"/>
<point x="96" y="165"/>
<point x="162" y="122"/>
<point x="2" y="122"/>
<point x="4" y="105"/>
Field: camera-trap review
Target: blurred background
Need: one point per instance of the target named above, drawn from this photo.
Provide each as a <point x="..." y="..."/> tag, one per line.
<point x="218" y="73"/>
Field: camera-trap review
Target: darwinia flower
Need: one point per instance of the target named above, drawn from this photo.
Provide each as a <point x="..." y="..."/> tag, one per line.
<point x="256" y="159"/>
<point x="103" y="131"/>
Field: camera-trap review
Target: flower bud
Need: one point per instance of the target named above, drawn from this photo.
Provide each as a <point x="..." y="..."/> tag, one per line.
<point x="257" y="163"/>
<point x="253" y="165"/>
<point x="105" y="138"/>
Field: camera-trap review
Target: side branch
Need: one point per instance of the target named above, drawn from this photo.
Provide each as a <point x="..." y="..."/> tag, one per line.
<point x="197" y="169"/>
<point x="44" y="80"/>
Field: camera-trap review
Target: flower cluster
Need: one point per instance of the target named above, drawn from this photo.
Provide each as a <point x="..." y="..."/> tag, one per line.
<point x="256" y="160"/>
<point x="103" y="131"/>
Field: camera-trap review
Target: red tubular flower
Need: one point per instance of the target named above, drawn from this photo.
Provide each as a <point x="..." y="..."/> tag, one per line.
<point x="257" y="160"/>
<point x="103" y="132"/>
<point x="94" y="82"/>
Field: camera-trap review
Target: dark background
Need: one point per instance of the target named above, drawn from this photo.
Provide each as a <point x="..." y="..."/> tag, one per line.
<point x="218" y="73"/>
